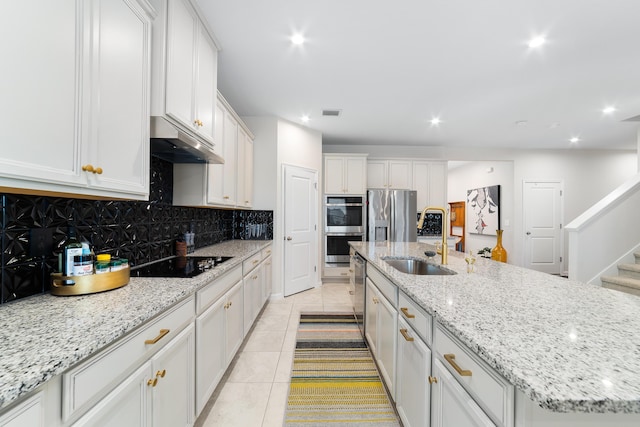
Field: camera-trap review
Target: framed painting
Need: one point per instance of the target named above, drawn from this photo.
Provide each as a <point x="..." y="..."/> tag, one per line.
<point x="483" y="207"/>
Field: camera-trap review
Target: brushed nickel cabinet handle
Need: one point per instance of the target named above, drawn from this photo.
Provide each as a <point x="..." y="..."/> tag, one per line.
<point x="451" y="358"/>
<point x="162" y="333"/>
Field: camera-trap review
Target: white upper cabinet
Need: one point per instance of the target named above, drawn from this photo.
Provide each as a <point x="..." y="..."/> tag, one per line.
<point x="184" y="72"/>
<point x="430" y="181"/>
<point x="345" y="174"/>
<point x="391" y="174"/>
<point x="244" y="182"/>
<point x="229" y="184"/>
<point x="76" y="107"/>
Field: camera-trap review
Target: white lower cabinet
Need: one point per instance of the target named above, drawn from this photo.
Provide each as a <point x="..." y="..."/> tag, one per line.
<point x="451" y="405"/>
<point x="219" y="332"/>
<point x="267" y="277"/>
<point x="380" y="326"/>
<point x="159" y="393"/>
<point x="413" y="392"/>
<point x="28" y="413"/>
<point x="252" y="297"/>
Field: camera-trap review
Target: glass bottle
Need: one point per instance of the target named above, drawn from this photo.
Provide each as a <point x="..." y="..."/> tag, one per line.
<point x="71" y="248"/>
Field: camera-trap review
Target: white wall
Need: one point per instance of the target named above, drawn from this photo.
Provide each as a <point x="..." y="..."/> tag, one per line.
<point x="279" y="142"/>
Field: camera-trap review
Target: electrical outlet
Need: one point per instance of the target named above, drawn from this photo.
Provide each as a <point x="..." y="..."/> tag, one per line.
<point x="40" y="242"/>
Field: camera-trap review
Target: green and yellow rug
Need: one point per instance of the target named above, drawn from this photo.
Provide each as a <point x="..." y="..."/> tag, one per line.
<point x="334" y="380"/>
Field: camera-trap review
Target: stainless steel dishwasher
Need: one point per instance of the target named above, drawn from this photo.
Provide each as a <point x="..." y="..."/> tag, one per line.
<point x="357" y="282"/>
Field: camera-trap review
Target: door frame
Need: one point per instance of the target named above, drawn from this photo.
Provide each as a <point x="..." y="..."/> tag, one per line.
<point x="316" y="213"/>
<point x="560" y="182"/>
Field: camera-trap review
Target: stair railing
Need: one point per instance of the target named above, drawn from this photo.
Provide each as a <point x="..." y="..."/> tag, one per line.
<point x="605" y="234"/>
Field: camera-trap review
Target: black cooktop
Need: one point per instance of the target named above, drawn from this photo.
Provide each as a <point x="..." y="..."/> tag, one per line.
<point x="189" y="266"/>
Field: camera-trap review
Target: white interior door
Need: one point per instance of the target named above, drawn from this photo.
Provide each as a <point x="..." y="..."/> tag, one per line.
<point x="300" y="229"/>
<point x="542" y="207"/>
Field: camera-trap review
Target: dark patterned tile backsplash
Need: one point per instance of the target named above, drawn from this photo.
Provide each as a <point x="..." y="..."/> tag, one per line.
<point x="139" y="231"/>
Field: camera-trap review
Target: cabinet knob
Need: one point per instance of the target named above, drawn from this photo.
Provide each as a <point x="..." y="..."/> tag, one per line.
<point x="432" y="380"/>
<point x="198" y="123"/>
<point x="153" y="382"/>
<point x="289" y="238"/>
<point x="226" y="197"/>
<point x="90" y="168"/>
<point x="161" y="374"/>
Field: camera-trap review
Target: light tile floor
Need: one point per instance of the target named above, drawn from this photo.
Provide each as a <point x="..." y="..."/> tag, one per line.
<point x="254" y="390"/>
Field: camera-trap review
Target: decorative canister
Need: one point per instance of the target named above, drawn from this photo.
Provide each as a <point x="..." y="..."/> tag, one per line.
<point x="499" y="253"/>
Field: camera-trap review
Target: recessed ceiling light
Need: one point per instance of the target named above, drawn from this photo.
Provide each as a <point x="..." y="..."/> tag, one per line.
<point x="537" y="42"/>
<point x="521" y="123"/>
<point x="305" y="118"/>
<point x="297" y="39"/>
<point x="435" y="121"/>
<point x="609" y="109"/>
<point x="574" y="140"/>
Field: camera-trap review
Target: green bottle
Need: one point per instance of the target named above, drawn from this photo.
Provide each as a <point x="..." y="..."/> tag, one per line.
<point x="71" y="248"/>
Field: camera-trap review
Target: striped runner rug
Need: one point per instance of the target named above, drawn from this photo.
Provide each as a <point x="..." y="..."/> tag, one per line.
<point x="334" y="380"/>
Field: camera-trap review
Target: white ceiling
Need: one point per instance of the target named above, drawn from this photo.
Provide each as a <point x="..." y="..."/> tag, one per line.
<point x="390" y="66"/>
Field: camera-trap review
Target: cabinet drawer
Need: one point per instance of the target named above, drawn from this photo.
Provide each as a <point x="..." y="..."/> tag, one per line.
<point x="266" y="252"/>
<point x="210" y="293"/>
<point x="415" y="316"/>
<point x="388" y="289"/>
<point x="492" y="392"/>
<point x="251" y="263"/>
<point x="87" y="382"/>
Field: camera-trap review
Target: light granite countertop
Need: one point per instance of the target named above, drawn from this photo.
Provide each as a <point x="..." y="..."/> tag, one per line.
<point x="568" y="346"/>
<point x="44" y="335"/>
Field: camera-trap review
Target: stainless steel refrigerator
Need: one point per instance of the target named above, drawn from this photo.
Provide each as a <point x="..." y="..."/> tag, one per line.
<point x="391" y="215"/>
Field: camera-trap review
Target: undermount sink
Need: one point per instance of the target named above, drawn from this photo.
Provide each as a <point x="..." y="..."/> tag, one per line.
<point x="418" y="267"/>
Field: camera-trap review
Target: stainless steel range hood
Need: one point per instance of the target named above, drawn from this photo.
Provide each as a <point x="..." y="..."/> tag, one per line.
<point x="173" y="145"/>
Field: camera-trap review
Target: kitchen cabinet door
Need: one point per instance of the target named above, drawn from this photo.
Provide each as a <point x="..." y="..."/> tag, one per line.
<point x="39" y="117"/>
<point x="355" y="175"/>
<point x="173" y="399"/>
<point x="371" y="316"/>
<point x="267" y="279"/>
<point x="215" y="172"/>
<point x="399" y="175"/>
<point x="252" y="297"/>
<point x="377" y="174"/>
<point x="211" y="357"/>
<point x="451" y="405"/>
<point x="206" y="86"/>
<point x="182" y="24"/>
<point x="244" y="170"/>
<point x="234" y="321"/>
<point x="386" y="342"/>
<point x="119" y="140"/>
<point x="345" y="174"/>
<point x="29" y="413"/>
<point x="230" y="159"/>
<point x="128" y="405"/>
<point x="413" y="391"/>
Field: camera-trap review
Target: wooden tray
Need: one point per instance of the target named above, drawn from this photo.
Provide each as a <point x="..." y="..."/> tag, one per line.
<point x="83" y="285"/>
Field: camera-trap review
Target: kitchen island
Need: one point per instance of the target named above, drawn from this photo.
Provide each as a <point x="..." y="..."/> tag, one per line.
<point x="44" y="335"/>
<point x="566" y="346"/>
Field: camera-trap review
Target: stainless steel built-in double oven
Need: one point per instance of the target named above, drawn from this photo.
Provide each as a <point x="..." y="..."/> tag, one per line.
<point x="344" y="221"/>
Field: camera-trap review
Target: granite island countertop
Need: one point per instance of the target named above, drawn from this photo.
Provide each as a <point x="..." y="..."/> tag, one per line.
<point x="44" y="335"/>
<point x="568" y="346"/>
